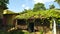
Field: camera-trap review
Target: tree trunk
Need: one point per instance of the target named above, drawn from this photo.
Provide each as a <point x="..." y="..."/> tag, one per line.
<point x="1" y="16"/>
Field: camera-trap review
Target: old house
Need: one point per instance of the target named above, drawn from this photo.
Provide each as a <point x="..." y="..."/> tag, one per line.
<point x="8" y="18"/>
<point x="32" y="22"/>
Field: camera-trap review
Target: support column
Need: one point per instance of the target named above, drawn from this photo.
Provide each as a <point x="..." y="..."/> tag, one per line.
<point x="54" y="26"/>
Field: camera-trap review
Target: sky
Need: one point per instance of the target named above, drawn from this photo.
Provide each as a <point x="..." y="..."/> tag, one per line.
<point x="20" y="5"/>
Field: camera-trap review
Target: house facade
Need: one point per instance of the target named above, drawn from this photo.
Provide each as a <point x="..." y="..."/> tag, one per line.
<point x="9" y="17"/>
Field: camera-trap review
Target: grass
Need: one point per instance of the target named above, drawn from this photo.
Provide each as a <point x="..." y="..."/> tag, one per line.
<point x="16" y="32"/>
<point x="13" y="32"/>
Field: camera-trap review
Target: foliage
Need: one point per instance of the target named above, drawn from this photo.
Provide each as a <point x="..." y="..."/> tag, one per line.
<point x="52" y="6"/>
<point x="25" y="11"/>
<point x="58" y="1"/>
<point x="47" y="13"/>
<point x="13" y="32"/>
<point x="51" y="13"/>
<point x="39" y="6"/>
<point x="4" y="3"/>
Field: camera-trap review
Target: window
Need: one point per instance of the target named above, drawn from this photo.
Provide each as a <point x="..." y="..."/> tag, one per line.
<point x="21" y="22"/>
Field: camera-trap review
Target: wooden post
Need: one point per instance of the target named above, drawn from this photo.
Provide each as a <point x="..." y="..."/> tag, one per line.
<point x="16" y="24"/>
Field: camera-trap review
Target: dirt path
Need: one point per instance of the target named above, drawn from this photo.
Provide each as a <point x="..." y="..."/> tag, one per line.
<point x="37" y="32"/>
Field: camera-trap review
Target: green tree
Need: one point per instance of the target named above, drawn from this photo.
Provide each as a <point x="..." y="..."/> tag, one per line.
<point x="3" y="3"/>
<point x="3" y="6"/>
<point x="39" y="6"/>
<point x="52" y="6"/>
<point x="25" y="11"/>
<point x="58" y="1"/>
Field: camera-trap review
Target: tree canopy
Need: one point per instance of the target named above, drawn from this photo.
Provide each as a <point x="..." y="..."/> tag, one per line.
<point x="52" y="6"/>
<point x="58" y="1"/>
<point x="39" y="6"/>
<point x="3" y="3"/>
